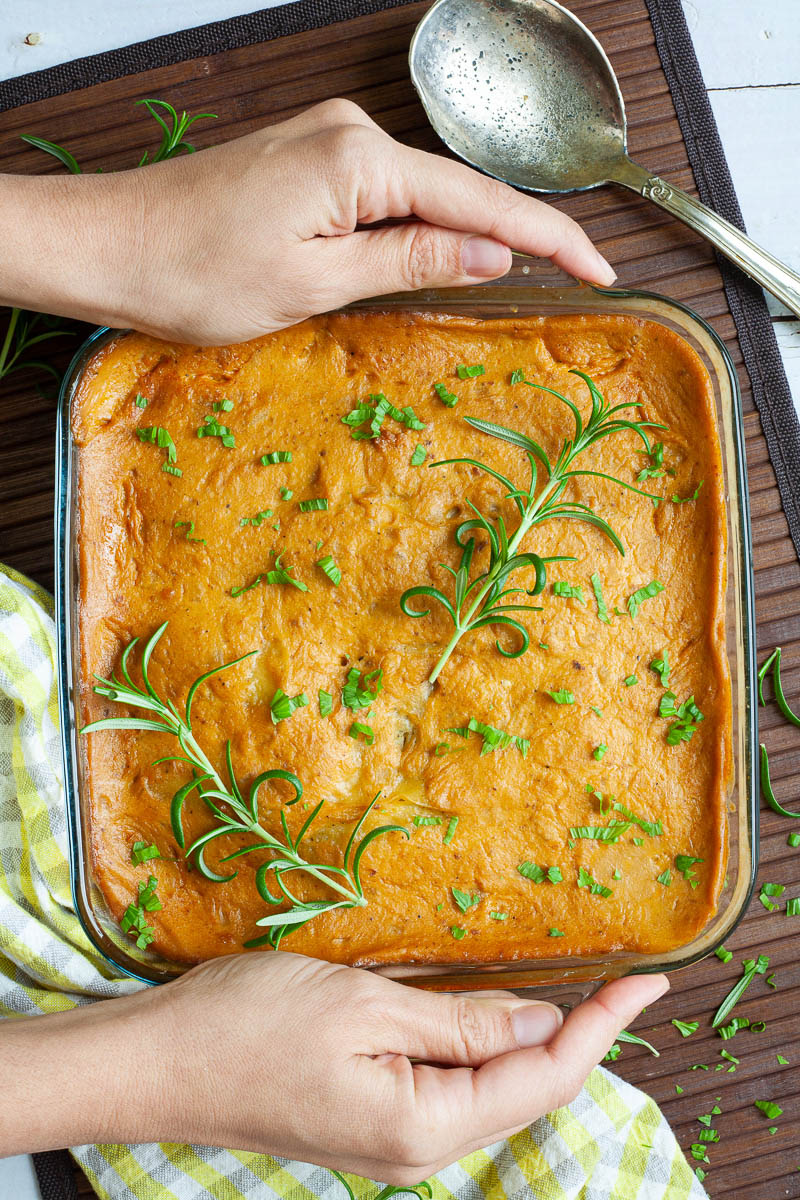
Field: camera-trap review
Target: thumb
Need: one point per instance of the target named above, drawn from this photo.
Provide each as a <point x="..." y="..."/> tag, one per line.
<point x="467" y="1030"/>
<point x="406" y="257"/>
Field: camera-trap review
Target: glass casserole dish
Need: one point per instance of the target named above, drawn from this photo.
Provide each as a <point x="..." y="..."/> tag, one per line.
<point x="492" y="302"/>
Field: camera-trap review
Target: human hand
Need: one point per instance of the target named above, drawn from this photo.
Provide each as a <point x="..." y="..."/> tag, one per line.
<point x="287" y="1055"/>
<point x="247" y="237"/>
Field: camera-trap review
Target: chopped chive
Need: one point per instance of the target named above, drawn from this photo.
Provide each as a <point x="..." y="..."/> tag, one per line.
<point x="688" y="718"/>
<point x="685" y="499"/>
<point x="783" y="1062"/>
<point x="555" y="933"/>
<point x="543" y="646"/>
<point x="768" y="891"/>
<point x="665" y="877"/>
<point x="685" y="1028"/>
<point x="498" y="916"/>
<point x="723" y="955"/>
<point x="617" y="873"/>
<point x="286" y="493"/>
<point x="793" y="840"/>
<point x="419" y="456"/>
<point x="330" y="568"/>
<point x="610" y="833"/>
<point x="465" y="372"/>
<point x="598" y="712"/>
<point x="793" y="907"/>
<point x="222" y="406"/>
<point x="257" y="520"/>
<point x="447" y="397"/>
<point x="661" y="667"/>
<point x="276" y="456"/>
<point x="637" y="841"/>
<point x="613" y="1054"/>
<point x="651" y="828"/>
<point x="631" y="681"/>
<point x="568" y="591"/>
<point x="359" y="729"/>
<point x="599" y="751"/>
<point x="325" y="700"/>
<point x="212" y="428"/>
<point x="356" y="693"/>
<point x="457" y="932"/>
<point x="770" y="1110"/>
<point x="317" y="504"/>
<point x="562" y="696"/>
<point x="156" y="435"/>
<point x="282" y="706"/>
<point x="170" y="469"/>
<point x="517" y="376"/>
<point x="141" y="401"/>
<point x="441" y="749"/>
<point x="641" y="594"/>
<point x="189" y="531"/>
<point x="597" y="588"/>
<point x="141" y="852"/>
<point x="679" y="1089"/>
<point x="685" y="863"/>
<point x="595" y="888"/>
<point x="451" y="831"/>
<point x="421" y="819"/>
<point x="464" y="900"/>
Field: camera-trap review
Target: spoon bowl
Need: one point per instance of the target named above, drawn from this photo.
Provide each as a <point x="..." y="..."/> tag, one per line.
<point x="522" y="90"/>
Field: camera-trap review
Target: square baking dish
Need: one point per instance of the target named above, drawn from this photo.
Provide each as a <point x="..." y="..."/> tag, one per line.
<point x="492" y="302"/>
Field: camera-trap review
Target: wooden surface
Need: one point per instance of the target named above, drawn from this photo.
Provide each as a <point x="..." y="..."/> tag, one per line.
<point x="366" y="61"/>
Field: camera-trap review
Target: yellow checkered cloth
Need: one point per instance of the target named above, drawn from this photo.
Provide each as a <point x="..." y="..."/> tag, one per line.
<point x="612" y="1143"/>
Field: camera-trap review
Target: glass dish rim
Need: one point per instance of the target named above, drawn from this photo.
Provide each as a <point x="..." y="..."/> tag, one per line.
<point x="555" y="972"/>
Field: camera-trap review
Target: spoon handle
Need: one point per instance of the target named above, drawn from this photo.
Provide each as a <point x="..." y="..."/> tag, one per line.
<point x="772" y="274"/>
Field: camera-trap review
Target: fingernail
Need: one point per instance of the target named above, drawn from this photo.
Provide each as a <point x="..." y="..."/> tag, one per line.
<point x="484" y="258"/>
<point x="606" y="273"/>
<point x="535" y="1024"/>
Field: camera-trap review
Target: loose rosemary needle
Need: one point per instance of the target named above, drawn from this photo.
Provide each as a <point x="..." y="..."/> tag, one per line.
<point x="234" y="814"/>
<point x="482" y="600"/>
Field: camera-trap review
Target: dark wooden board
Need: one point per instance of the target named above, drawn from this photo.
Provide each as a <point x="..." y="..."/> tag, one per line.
<point x="365" y="60"/>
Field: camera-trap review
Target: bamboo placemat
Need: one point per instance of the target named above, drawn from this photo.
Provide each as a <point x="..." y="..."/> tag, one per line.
<point x="259" y="69"/>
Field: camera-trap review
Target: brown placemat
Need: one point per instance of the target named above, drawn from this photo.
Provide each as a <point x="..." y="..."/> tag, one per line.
<point x="259" y="69"/>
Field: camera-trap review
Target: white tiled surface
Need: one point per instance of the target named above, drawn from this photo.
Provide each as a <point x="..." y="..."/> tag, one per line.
<point x="749" y="54"/>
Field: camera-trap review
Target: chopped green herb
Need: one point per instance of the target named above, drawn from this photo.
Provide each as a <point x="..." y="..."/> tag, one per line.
<point x="375" y="410"/>
<point x="286" y="493"/>
<point x="329" y="567"/>
<point x="517" y="376"/>
<point x="685" y="863"/>
<point x="595" y="888"/>
<point x="212" y="428"/>
<point x="625" y="1036"/>
<point x="451" y="831"/>
<point x="282" y="706"/>
<point x="685" y="1028"/>
<point x="543" y="646"/>
<point x="770" y="1110"/>
<point x="656" y="470"/>
<point x="599" y="751"/>
<point x="276" y="456"/>
<point x="613" y="1053"/>
<point x="688" y="718"/>
<point x="617" y="873"/>
<point x="679" y="1089"/>
<point x="493" y="739"/>
<point x="189" y="531"/>
<point x="631" y="681"/>
<point x="793" y="907"/>
<point x="464" y="372"/>
<point x="441" y="749"/>
<point x="141" y="852"/>
<point x="562" y="696"/>
<point x="641" y="594"/>
<point x="447" y="397"/>
<point x="598" y="712"/>
<point x="723" y="955"/>
<point x="325" y="703"/>
<point x="356" y="693"/>
<point x="317" y="504"/>
<point x="597" y="588"/>
<point x="258" y="519"/>
<point x="768" y="891"/>
<point x="568" y="591"/>
<point x="750" y="968"/>
<point x="359" y="729"/>
<point x="464" y="900"/>
<point x="783" y="1062"/>
<point x="555" y="933"/>
<point x="457" y="932"/>
<point x="770" y="980"/>
<point x="170" y="469"/>
<point x="419" y="456"/>
<point x="685" y="499"/>
<point x="222" y="406"/>
<point x="661" y="667"/>
<point x="726" y="1032"/>
<point x="424" y="820"/>
<point x="156" y="435"/>
<point x="637" y="841"/>
<point x="793" y="840"/>
<point x="141" y="401"/>
<point x="498" y="916"/>
<point x="651" y="828"/>
<point x="665" y="877"/>
<point x="610" y="833"/>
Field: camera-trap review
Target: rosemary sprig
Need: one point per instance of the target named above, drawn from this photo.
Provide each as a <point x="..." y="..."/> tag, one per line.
<point x="234" y="814"/>
<point x="483" y="600"/>
<point x="24" y="330"/>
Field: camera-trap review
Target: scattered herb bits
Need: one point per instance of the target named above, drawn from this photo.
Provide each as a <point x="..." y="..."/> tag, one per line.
<point x="329" y="567"/>
<point x="685" y="1028"/>
<point x="465" y="900"/>
<point x="141" y="401"/>
<point x="631" y="681"/>
<point x="445" y="395"/>
<point x="212" y="428"/>
<point x="585" y="880"/>
<point x="465" y="372"/>
<point x="357" y="692"/>
<point x="282" y="706"/>
<point x="600" y="752"/>
<point x="458" y="932"/>
<point x="276" y="456"/>
<point x="419" y="456"/>
<point x="597" y="588"/>
<point x="562" y="696"/>
<point x="141" y="852"/>
<point x="660" y="664"/>
<point x="451" y="831"/>
<point x="157" y="435"/>
<point x="568" y="591"/>
<point x="648" y="592"/>
<point x="316" y="504"/>
<point x="189" y="525"/>
<point x="325" y="701"/>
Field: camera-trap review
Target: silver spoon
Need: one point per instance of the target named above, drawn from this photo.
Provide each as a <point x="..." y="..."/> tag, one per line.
<point x="523" y="90"/>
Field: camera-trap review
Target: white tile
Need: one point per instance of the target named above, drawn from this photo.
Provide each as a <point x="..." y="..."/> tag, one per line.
<point x="739" y="42"/>
<point x="18" y="1178"/>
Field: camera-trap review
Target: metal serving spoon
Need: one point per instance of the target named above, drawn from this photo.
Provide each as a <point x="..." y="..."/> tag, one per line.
<point x="523" y="90"/>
